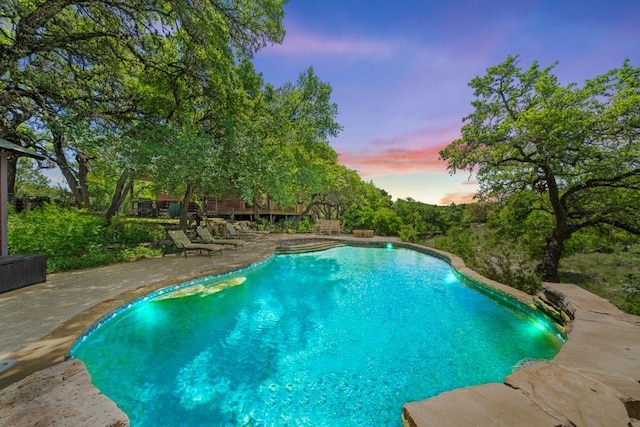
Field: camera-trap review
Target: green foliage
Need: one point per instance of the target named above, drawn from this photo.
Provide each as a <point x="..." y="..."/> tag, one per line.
<point x="96" y="73"/>
<point x="614" y="276"/>
<point x="386" y="222"/>
<point x="129" y="231"/>
<point x="460" y="240"/>
<point x="409" y="233"/>
<point x="573" y="148"/>
<point x="72" y="238"/>
<point x="383" y="221"/>
<point x="519" y="221"/>
<point x="358" y="217"/>
<point x="30" y="181"/>
<point x="304" y="225"/>
<point x="603" y="239"/>
<point x="500" y="260"/>
<point x="423" y="221"/>
<point x="631" y="302"/>
<point x="509" y="266"/>
<point x="479" y="213"/>
<point x="54" y="231"/>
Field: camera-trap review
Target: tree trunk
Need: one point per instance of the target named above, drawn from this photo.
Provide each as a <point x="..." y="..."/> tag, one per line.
<point x="256" y="209"/>
<point x="83" y="182"/>
<point x="79" y="189"/>
<point x="184" y="207"/>
<point x="12" y="166"/>
<point x="551" y="259"/>
<point x="119" y="195"/>
<point x="310" y="206"/>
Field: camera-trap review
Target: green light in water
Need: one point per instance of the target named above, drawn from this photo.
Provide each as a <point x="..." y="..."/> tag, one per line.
<point x="389" y="246"/>
<point x="451" y="278"/>
<point x="539" y="326"/>
<point x="149" y="314"/>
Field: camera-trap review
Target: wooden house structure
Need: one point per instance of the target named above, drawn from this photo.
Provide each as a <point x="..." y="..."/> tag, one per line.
<point x="237" y="209"/>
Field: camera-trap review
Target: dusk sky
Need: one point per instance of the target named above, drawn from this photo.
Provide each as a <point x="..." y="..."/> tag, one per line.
<point x="400" y="70"/>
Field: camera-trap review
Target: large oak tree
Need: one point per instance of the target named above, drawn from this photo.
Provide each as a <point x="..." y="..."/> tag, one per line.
<point x="577" y="146"/>
<point x="68" y="59"/>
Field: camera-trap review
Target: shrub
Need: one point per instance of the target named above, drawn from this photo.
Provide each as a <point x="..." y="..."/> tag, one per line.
<point x="126" y="232"/>
<point x="460" y="241"/>
<point x="305" y="225"/>
<point x="358" y="217"/>
<point x="510" y="268"/>
<point x="54" y="231"/>
<point x="408" y="233"/>
<point x="386" y="222"/>
<point x="72" y="238"/>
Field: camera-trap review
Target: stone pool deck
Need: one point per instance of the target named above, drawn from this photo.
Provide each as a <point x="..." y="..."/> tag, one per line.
<point x="593" y="381"/>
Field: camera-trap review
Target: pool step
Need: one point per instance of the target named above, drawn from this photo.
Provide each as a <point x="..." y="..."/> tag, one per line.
<point x="303" y="247"/>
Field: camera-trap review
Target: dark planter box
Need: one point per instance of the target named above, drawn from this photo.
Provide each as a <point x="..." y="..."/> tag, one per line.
<point x="17" y="271"/>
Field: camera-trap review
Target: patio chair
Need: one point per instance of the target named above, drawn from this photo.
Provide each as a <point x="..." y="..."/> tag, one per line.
<point x="182" y="242"/>
<point x="205" y="237"/>
<point x="238" y="234"/>
<point x="245" y="229"/>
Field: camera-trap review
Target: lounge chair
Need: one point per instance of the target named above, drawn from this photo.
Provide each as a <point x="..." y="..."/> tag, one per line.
<point x="206" y="237"/>
<point x="245" y="229"/>
<point x="182" y="242"/>
<point x="237" y="234"/>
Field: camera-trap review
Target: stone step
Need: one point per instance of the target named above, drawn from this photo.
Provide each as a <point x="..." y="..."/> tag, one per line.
<point x="304" y="247"/>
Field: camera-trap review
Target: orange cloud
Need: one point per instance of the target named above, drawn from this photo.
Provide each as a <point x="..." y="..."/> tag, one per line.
<point x="457" y="198"/>
<point x="406" y="153"/>
<point x="395" y="160"/>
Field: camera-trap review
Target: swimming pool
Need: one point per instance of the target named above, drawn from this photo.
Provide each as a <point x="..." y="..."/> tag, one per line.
<point x="344" y="336"/>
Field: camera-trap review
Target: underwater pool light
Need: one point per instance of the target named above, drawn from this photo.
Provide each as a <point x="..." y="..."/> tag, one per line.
<point x="389" y="246"/>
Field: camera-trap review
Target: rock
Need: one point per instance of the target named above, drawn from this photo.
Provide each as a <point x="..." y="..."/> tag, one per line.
<point x="571" y="395"/>
<point x="58" y="396"/>
<point x="607" y="349"/>
<point x="486" y="405"/>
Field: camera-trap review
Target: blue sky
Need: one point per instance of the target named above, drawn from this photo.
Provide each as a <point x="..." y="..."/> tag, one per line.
<point x="400" y="69"/>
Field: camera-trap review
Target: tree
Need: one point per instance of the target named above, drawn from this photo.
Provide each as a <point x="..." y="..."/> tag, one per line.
<point x="30" y="181"/>
<point x="577" y="147"/>
<point x="70" y="58"/>
<point x="279" y="145"/>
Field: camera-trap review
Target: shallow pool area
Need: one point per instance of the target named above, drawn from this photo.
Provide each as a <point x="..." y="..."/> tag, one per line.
<point x="344" y="336"/>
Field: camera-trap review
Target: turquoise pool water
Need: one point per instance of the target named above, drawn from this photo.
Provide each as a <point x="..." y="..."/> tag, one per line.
<point x="342" y="337"/>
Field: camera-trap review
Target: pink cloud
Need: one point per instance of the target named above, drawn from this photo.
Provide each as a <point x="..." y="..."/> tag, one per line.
<point x="457" y="198"/>
<point x="298" y="41"/>
<point x="395" y="160"/>
<point x="405" y="153"/>
<point x="435" y="137"/>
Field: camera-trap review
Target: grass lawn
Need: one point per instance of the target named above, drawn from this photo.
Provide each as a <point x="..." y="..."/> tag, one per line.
<point x="614" y="276"/>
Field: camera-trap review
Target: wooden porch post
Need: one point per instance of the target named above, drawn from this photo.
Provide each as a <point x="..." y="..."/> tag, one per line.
<point x="4" y="203"/>
<point x="7" y="147"/>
